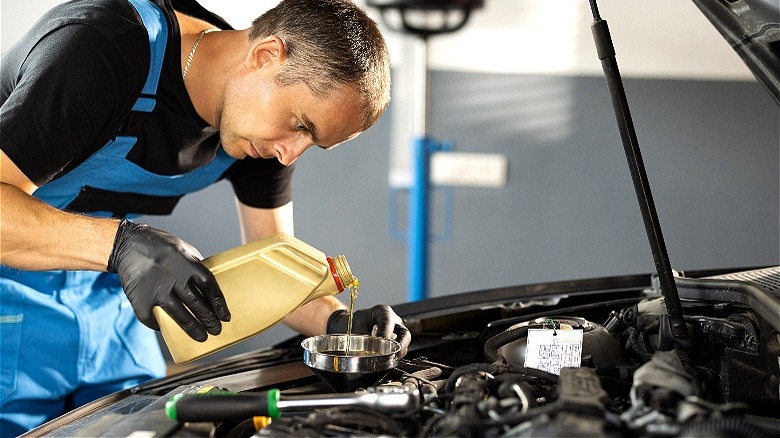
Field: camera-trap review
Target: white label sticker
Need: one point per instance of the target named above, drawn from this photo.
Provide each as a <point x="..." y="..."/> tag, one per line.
<point x="550" y="350"/>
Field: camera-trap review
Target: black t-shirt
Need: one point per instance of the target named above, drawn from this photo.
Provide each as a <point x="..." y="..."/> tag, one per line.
<point x="68" y="85"/>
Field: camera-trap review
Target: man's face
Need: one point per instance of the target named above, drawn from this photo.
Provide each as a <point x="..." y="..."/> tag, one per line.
<point x="261" y="119"/>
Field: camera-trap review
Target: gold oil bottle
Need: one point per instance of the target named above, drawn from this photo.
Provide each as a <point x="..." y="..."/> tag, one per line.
<point x="263" y="282"/>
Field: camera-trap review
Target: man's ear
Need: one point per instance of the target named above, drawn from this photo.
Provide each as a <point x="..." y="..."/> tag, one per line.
<point x="264" y="50"/>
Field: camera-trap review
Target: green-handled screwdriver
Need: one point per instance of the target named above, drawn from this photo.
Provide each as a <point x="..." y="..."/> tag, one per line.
<point x="218" y="406"/>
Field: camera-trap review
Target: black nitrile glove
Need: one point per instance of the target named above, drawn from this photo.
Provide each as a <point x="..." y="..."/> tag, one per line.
<point x="379" y="320"/>
<point x="159" y="269"/>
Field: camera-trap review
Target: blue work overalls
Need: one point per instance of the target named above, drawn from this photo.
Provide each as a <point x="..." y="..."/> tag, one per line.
<point x="69" y="337"/>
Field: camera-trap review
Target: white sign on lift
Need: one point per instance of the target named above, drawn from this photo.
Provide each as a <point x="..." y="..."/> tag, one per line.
<point x="469" y="169"/>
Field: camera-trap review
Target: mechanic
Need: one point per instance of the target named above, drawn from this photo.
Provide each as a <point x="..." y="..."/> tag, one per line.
<point x="112" y="109"/>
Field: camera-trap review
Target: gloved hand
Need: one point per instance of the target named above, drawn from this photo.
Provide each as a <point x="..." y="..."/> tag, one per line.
<point x="159" y="269"/>
<point x="379" y="320"/>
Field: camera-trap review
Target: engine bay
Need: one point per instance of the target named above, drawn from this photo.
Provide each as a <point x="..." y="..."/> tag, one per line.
<point x="634" y="379"/>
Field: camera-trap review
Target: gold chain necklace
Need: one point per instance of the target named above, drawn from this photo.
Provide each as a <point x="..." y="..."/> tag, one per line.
<point x="192" y="52"/>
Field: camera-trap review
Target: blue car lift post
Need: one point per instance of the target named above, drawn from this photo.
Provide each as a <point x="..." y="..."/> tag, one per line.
<point x="418" y="223"/>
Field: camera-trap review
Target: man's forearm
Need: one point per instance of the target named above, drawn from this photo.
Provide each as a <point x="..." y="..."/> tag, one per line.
<point x="312" y="318"/>
<point x="36" y="236"/>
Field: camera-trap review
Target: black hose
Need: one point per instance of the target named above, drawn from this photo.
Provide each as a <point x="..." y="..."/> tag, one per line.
<point x="472" y="368"/>
<point x="493" y="344"/>
<point x="421" y="377"/>
<point x="731" y="427"/>
<point x="548" y="409"/>
<point x="358" y="419"/>
<point x="492" y="368"/>
<point x="533" y="372"/>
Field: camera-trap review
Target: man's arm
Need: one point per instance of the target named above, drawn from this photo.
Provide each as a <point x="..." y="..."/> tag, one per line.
<point x="155" y="268"/>
<point x="256" y="223"/>
<point x="36" y="236"/>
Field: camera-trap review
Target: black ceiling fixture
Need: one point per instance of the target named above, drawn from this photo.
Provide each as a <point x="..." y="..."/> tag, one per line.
<point x="425" y="17"/>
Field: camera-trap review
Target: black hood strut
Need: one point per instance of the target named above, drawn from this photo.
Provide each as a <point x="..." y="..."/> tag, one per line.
<point x="606" y="53"/>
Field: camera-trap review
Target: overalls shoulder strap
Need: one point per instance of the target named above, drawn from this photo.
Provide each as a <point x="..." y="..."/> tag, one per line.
<point x="108" y="184"/>
<point x="157" y="27"/>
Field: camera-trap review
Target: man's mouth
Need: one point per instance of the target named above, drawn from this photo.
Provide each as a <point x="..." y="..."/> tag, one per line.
<point x="253" y="152"/>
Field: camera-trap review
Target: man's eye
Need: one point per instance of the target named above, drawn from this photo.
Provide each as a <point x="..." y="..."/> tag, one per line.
<point x="300" y="127"/>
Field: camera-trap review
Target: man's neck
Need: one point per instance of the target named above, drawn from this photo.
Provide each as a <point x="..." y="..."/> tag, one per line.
<point x="217" y="54"/>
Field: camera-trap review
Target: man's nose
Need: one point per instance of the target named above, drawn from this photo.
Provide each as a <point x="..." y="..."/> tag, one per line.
<point x="292" y="150"/>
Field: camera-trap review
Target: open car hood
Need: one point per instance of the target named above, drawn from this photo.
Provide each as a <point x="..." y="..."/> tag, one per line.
<point x="752" y="28"/>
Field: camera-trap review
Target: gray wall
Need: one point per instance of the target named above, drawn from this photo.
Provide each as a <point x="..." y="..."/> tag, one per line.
<point x="568" y="211"/>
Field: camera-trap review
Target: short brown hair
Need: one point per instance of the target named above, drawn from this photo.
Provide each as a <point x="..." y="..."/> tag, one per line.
<point x="330" y="43"/>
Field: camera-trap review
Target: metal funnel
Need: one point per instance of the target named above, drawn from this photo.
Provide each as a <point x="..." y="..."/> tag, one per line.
<point x="370" y="358"/>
